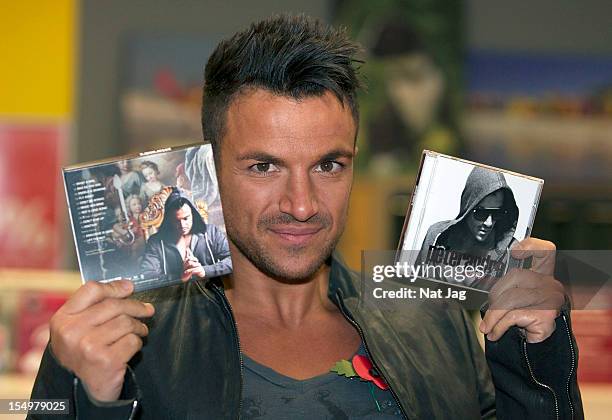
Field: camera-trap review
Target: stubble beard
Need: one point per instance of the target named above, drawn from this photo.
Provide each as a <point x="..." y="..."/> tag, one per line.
<point x="263" y="259"/>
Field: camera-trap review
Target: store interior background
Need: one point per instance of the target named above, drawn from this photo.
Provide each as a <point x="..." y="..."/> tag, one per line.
<point x="522" y="85"/>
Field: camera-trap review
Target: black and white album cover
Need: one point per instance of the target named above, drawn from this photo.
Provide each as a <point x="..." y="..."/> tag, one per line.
<point x="154" y="218"/>
<point x="463" y="220"/>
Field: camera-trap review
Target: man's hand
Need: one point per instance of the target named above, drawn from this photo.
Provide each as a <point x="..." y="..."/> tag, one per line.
<point x="192" y="267"/>
<point x="193" y="270"/>
<point x="529" y="299"/>
<point x="95" y="333"/>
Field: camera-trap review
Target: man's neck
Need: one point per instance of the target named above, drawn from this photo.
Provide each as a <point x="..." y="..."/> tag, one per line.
<point x="184" y="239"/>
<point x="293" y="328"/>
<point x="249" y="290"/>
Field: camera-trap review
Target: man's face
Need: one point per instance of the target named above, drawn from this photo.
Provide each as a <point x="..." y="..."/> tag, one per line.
<point x="285" y="174"/>
<point x="184" y="220"/>
<point x="481" y="229"/>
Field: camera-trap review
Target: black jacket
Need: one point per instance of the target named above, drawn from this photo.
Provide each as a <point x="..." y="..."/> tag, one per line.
<point x="191" y="365"/>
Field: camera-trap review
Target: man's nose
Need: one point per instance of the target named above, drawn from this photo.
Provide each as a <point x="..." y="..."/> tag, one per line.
<point x="489" y="221"/>
<point x="299" y="198"/>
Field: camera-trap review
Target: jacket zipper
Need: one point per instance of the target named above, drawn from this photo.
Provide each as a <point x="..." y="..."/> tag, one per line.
<point x="367" y="350"/>
<point x="228" y="308"/>
<point x="538" y="382"/>
<point x="569" y="378"/>
<point x="134" y="405"/>
<point x="75" y="384"/>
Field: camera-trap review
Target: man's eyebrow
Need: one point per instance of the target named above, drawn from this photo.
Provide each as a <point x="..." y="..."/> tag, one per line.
<point x="262" y="157"/>
<point x="268" y="158"/>
<point x="335" y="154"/>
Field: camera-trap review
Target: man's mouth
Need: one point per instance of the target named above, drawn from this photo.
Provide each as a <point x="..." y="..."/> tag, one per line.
<point x="296" y="235"/>
<point x="484" y="232"/>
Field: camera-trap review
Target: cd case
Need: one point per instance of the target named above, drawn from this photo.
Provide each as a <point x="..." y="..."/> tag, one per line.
<point x="154" y="218"/>
<point x="463" y="219"/>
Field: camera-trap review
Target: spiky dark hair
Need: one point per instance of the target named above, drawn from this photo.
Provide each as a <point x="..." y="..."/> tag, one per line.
<point x="294" y="56"/>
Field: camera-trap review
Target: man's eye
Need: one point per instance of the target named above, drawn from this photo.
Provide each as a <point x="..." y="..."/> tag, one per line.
<point x="264" y="168"/>
<point x="329" y="167"/>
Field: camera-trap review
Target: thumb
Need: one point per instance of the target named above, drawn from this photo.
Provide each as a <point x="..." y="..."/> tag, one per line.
<point x="93" y="292"/>
<point x="118" y="288"/>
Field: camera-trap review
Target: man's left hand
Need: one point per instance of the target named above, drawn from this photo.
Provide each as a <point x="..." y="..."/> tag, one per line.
<point x="528" y="298"/>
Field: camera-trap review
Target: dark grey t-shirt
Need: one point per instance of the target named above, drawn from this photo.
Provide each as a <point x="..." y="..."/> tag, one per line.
<point x="270" y="395"/>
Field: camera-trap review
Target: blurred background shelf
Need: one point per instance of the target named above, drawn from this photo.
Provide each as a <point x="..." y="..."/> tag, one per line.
<point x="14" y="280"/>
<point x="596" y="399"/>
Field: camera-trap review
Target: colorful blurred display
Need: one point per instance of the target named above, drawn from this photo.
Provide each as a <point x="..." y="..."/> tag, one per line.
<point x="32" y="216"/>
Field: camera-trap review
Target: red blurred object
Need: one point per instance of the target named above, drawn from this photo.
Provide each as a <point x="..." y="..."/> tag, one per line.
<point x="593" y="331"/>
<point x="31" y="229"/>
<point x="166" y="84"/>
<point x="34" y="311"/>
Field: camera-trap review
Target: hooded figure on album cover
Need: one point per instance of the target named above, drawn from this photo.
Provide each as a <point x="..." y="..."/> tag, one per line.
<point x="483" y="231"/>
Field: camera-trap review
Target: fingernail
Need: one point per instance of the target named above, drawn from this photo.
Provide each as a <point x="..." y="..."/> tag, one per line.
<point x="151" y="307"/>
<point x="126" y="285"/>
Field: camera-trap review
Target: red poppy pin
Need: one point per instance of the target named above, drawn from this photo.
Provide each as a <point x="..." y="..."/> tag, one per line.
<point x="360" y="366"/>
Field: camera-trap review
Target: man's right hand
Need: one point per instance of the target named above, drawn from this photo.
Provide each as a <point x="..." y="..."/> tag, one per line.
<point x="95" y="333"/>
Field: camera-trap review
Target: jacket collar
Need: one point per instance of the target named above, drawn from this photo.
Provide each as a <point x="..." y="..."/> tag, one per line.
<point x="343" y="282"/>
<point x="397" y="340"/>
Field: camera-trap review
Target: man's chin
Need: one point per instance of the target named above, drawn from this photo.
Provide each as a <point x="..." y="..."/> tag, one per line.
<point x="286" y="266"/>
<point x="292" y="269"/>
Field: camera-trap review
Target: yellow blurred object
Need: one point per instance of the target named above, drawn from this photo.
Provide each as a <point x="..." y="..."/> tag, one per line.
<point x="38" y="51"/>
<point x="17" y="280"/>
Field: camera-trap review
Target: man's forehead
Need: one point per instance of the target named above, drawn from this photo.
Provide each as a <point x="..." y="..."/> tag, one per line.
<point x="183" y="211"/>
<point x="496" y="198"/>
<point x="262" y="120"/>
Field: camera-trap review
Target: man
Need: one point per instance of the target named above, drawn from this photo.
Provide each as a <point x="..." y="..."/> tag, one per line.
<point x="482" y="231"/>
<point x="185" y="246"/>
<point x="280" y="111"/>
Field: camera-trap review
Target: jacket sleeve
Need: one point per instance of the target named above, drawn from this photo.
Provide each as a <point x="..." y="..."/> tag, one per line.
<point x="536" y="380"/>
<point x="430" y="240"/>
<point x="53" y="381"/>
<point x="151" y="264"/>
<point x="424" y="247"/>
<point x="220" y="249"/>
<point x="486" y="390"/>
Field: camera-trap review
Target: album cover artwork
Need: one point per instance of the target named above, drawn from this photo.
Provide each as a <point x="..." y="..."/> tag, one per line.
<point x="154" y="218"/>
<point x="463" y="220"/>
